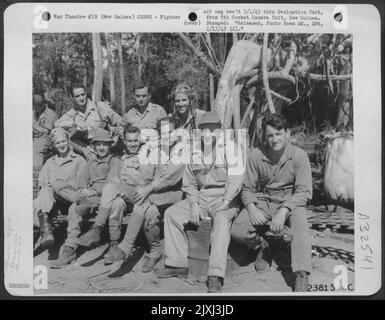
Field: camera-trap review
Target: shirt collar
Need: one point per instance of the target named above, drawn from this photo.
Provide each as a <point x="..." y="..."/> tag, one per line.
<point x="286" y="155"/>
<point x="148" y="109"/>
<point x="70" y="156"/>
<point x="90" y="106"/>
<point x="104" y="160"/>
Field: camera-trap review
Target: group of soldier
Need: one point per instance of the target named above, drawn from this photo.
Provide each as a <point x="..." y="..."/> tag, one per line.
<point x="98" y="171"/>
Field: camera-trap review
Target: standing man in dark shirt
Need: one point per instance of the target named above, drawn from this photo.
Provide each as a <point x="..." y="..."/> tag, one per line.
<point x="277" y="186"/>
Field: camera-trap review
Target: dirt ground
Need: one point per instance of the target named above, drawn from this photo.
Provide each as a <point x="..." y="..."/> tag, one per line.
<point x="89" y="275"/>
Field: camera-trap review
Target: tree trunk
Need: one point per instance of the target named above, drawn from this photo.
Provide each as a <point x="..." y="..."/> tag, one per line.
<point x="344" y="99"/>
<point x="110" y="70"/>
<point x="264" y="73"/>
<point x="212" y="94"/>
<point x="221" y="48"/>
<point x="139" y="56"/>
<point x="243" y="56"/>
<point x="98" y="68"/>
<point x="121" y="72"/>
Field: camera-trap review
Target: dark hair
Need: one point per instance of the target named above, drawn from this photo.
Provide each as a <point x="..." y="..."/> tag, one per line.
<point x="165" y="119"/>
<point x="77" y="86"/>
<point x="130" y="129"/>
<point x="276" y="121"/>
<point x="140" y="85"/>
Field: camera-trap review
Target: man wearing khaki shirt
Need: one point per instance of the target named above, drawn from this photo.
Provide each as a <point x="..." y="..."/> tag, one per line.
<point x="60" y="180"/>
<point x="96" y="174"/>
<point x="85" y="118"/>
<point x="210" y="191"/>
<point x="164" y="190"/>
<point x="277" y="186"/>
<point x="144" y="114"/>
<point x="120" y="193"/>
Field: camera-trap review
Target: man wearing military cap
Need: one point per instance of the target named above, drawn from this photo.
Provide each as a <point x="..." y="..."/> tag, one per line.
<point x="211" y="189"/>
<point x="96" y="174"/>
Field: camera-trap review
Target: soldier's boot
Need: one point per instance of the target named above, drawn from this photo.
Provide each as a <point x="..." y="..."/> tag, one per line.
<point x="46" y="237"/>
<point x="115" y="254"/>
<point x="67" y="255"/>
<point x="301" y="281"/>
<point x="91" y="237"/>
<point x="152" y="232"/>
<point x="214" y="284"/>
<point x="262" y="263"/>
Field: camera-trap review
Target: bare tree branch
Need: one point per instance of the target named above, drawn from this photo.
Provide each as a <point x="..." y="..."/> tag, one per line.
<point x="275" y="94"/>
<point x="264" y="73"/>
<point x="198" y="53"/>
<point x="250" y="105"/>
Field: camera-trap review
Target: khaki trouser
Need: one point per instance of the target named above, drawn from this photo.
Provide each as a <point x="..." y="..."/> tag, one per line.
<point x="244" y="232"/>
<point x="115" y="198"/>
<point x="175" y="238"/>
<point x="75" y="220"/>
<point x="47" y="198"/>
<point x="147" y="216"/>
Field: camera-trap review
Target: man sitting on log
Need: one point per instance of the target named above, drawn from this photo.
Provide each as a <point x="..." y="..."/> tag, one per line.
<point x="97" y="173"/>
<point x="60" y="180"/>
<point x="122" y="192"/>
<point x="210" y="189"/>
<point x="164" y="190"/>
<point x="85" y="118"/>
<point x="277" y="186"/>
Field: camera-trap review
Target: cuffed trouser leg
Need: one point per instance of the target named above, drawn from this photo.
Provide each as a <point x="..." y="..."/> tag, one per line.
<point x="301" y="244"/>
<point x="74" y="227"/>
<point x="152" y="231"/>
<point x="175" y="238"/>
<point x="115" y="220"/>
<point x="133" y="227"/>
<point x="220" y="240"/>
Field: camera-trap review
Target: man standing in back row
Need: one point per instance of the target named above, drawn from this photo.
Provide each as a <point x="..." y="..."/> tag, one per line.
<point x="85" y="118"/>
<point x="144" y="114"/>
<point x="277" y="186"/>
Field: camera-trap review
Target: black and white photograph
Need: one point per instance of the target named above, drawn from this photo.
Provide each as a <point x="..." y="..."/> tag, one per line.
<point x="106" y="223"/>
<point x="155" y="150"/>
